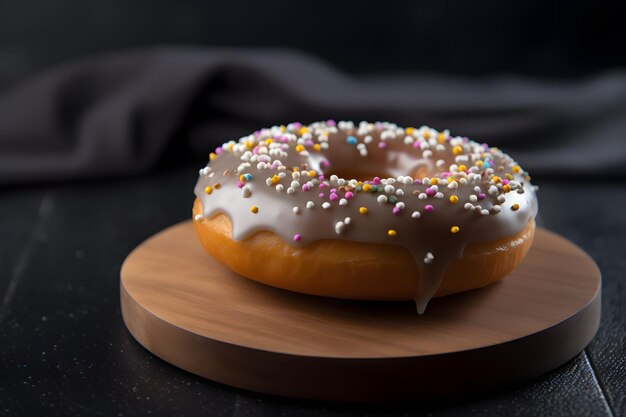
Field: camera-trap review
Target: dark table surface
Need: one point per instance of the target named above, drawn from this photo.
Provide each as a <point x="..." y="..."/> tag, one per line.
<point x="64" y="349"/>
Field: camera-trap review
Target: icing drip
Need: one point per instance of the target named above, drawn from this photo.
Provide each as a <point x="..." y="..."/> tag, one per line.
<point x="422" y="190"/>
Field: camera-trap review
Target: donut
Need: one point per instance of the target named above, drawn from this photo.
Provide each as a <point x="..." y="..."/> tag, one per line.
<point x="371" y="211"/>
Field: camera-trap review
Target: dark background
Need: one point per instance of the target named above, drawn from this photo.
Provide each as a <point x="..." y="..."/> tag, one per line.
<point x="63" y="347"/>
<point x="476" y="38"/>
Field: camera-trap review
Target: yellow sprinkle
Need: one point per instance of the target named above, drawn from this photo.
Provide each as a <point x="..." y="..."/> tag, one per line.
<point x="496" y="179"/>
<point x="212" y="156"/>
<point x="231" y="146"/>
<point x="441" y="138"/>
<point x="208" y="189"/>
<point x="409" y="130"/>
<point x="304" y="130"/>
<point x="268" y="141"/>
<point x="367" y="187"/>
<point x="426" y="134"/>
<point x="254" y="209"/>
<point x="516" y="169"/>
<point x="515" y="207"/>
<point x="312" y="173"/>
<point x="249" y="145"/>
<point x="454" y="199"/>
<point x="462" y="168"/>
<point x="299" y="148"/>
<point x="217" y="185"/>
<point x="275" y="179"/>
<point x="242" y="178"/>
<point x="509" y="177"/>
<point x="506" y="188"/>
<point x="479" y="163"/>
<point x="391" y="233"/>
<point x="363" y="210"/>
<point x="454" y="229"/>
<point x="457" y="150"/>
<point x="283" y="128"/>
<point x="317" y="147"/>
<point x="434" y="181"/>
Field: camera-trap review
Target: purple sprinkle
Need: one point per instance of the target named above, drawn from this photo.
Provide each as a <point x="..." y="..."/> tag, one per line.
<point x="428" y="208"/>
<point x="418" y="181"/>
<point x="481" y="196"/>
<point x="349" y="195"/>
<point x="331" y="122"/>
<point x="395" y="210"/>
<point x="297" y="125"/>
<point x="333" y="197"/>
<point x="305" y="187"/>
<point x="376" y="180"/>
<point x="430" y="192"/>
<point x="321" y="195"/>
<point x="309" y="143"/>
<point x="297" y="237"/>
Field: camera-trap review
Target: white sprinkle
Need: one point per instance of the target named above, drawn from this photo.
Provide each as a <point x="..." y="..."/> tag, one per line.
<point x="484" y="212"/>
<point x="427" y="153"/>
<point x="268" y="181"/>
<point x="493" y="190"/>
<point x="295" y="184"/>
<point x="473" y="198"/>
<point x="368" y="139"/>
<point x="290" y="190"/>
<point x="496" y="209"/>
<point x="280" y="187"/>
<point x="389" y="189"/>
<point x="453" y="185"/>
<point x="501" y="199"/>
<point x="246" y="192"/>
<point x="399" y="192"/>
<point x="347" y="220"/>
<point x="468" y="206"/>
<point x="341" y="181"/>
<point x="477" y="189"/>
<point x="281" y="175"/>
<point x="296" y="210"/>
<point x="429" y="258"/>
<point x="343" y="202"/>
<point x="422" y="196"/>
<point x="310" y="204"/>
<point x="439" y="195"/>
<point x="408" y="140"/>
<point x="440" y="163"/>
<point x="198" y="217"/>
<point x="334" y="178"/>
<point x="382" y="199"/>
<point x="339" y="226"/>
<point x="416" y="214"/>
<point x="326" y="205"/>
<point x="400" y="205"/>
<point x="463" y="181"/>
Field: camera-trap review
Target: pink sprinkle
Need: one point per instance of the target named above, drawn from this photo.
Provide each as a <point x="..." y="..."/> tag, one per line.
<point x="324" y="162"/>
<point x="322" y="185"/>
<point x="416" y="145"/>
<point x="382" y="145"/>
<point x="333" y="197"/>
<point x="505" y="182"/>
<point x="444" y="175"/>
<point x="428" y="208"/>
<point x="305" y="187"/>
<point x="284" y="139"/>
<point x="333" y="190"/>
<point x="321" y="177"/>
<point x="218" y="151"/>
<point x="331" y="122"/>
<point x="239" y="184"/>
<point x="274" y="165"/>
<point x="481" y="196"/>
<point x="430" y="192"/>
<point x="297" y="125"/>
<point x="418" y="181"/>
<point x="376" y="180"/>
<point x="321" y="195"/>
<point x="348" y="195"/>
<point x="395" y="211"/>
<point x="255" y="150"/>
<point x="297" y="237"/>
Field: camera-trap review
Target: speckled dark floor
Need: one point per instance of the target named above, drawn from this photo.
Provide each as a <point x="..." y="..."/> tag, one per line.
<point x="65" y="351"/>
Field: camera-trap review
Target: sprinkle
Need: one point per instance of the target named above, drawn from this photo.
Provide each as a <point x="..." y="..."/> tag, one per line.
<point x="395" y="210"/>
<point x="326" y="205"/>
<point x="343" y="202"/>
<point x="457" y="150"/>
<point x="280" y="187"/>
<point x="382" y="199"/>
<point x="391" y="233"/>
<point x="454" y="229"/>
<point x="367" y="187"/>
<point x="297" y="237"/>
<point x="212" y="157"/>
<point x="246" y="192"/>
<point x="468" y="206"/>
<point x="349" y="195"/>
<point x="416" y="214"/>
<point x="506" y="188"/>
<point x="275" y="179"/>
<point x="429" y="258"/>
<point x="428" y="208"/>
<point x="516" y="169"/>
<point x="296" y="210"/>
<point x="515" y="207"/>
<point x="351" y="140"/>
<point x="198" y="217"/>
<point x="422" y="196"/>
<point x="339" y="226"/>
<point x="363" y="210"/>
<point x="389" y="189"/>
<point x="333" y="197"/>
<point x="454" y="199"/>
<point x="481" y="196"/>
<point x="310" y="204"/>
<point x="208" y="189"/>
<point x="347" y="220"/>
<point x="254" y="209"/>
<point x="453" y="185"/>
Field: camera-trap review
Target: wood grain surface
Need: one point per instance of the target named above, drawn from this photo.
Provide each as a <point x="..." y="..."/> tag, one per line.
<point x="194" y="313"/>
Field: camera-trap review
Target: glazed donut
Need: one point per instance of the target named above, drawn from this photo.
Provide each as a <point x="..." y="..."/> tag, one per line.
<point x="370" y="211"/>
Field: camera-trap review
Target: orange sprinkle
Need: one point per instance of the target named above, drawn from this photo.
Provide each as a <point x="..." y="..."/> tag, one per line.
<point x="515" y="207"/>
<point x="506" y="188"/>
<point x="312" y="173"/>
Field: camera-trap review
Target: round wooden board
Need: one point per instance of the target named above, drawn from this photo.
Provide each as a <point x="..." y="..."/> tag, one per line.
<point x="194" y="313"/>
